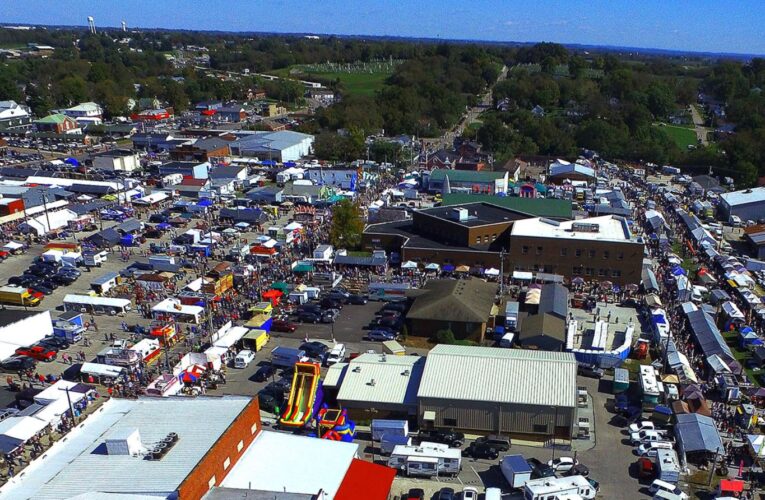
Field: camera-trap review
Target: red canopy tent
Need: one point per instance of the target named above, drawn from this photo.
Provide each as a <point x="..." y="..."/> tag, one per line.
<point x="273" y="295"/>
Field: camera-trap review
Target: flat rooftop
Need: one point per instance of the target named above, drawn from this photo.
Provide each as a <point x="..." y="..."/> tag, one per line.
<point x="478" y="214"/>
<point x="79" y="464"/>
<point x="277" y="461"/>
<point x="405" y="229"/>
<point x="606" y="228"/>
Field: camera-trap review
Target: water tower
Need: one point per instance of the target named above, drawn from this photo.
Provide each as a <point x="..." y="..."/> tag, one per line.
<point x="91" y="25"/>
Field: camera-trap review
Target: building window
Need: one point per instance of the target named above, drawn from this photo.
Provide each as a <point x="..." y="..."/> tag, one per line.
<point x="450" y="422"/>
<point x="477" y="240"/>
<point x="563" y="252"/>
<point x="578" y="252"/>
<point x="606" y="254"/>
<point x="239" y="446"/>
<point x="493" y="236"/>
<point x="620" y="256"/>
<point x="577" y="270"/>
<point x="592" y="254"/>
<point x="540" y="428"/>
<point x="227" y="463"/>
<point x="539" y="250"/>
<point x="486" y="238"/>
<point x="524" y="250"/>
<point x="616" y="273"/>
<point x="602" y="272"/>
<point x="211" y="482"/>
<point x="589" y="271"/>
<point x="254" y="428"/>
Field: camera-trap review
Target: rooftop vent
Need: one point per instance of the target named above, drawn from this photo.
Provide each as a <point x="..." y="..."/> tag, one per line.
<point x="372" y="382"/>
<point x="459" y="214"/>
<point x="161" y="448"/>
<point x="357" y="369"/>
<point x="585" y="227"/>
<point x="405" y="373"/>
<point x="127" y="442"/>
<point x="551" y="222"/>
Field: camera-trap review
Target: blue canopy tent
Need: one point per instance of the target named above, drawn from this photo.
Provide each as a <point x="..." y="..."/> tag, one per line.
<point x="163" y="226"/>
<point x="679" y="271"/>
<point x="72" y="161"/>
<point x="205" y="202"/>
<point x="268" y="163"/>
<point x="290" y="164"/>
<point x="448" y="268"/>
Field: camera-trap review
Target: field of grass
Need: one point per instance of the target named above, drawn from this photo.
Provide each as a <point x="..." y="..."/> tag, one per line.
<point x="358" y="78"/>
<point x="682" y="136"/>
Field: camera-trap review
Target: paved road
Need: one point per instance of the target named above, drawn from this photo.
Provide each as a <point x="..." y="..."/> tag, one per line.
<point x="702" y="132"/>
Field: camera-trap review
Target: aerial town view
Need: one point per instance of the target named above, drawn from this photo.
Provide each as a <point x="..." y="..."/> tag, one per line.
<point x="382" y="250"/>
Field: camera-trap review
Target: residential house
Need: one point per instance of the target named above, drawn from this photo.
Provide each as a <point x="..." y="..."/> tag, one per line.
<point x="123" y="160"/>
<point x="86" y="113"/>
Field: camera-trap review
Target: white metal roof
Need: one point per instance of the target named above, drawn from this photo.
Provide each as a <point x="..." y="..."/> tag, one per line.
<point x="610" y="228"/>
<point x="744" y="197"/>
<point x="276" y="461"/>
<point x="75" y="466"/>
<point x="73" y="298"/>
<point x="382" y="378"/>
<point x="174" y="306"/>
<point x="500" y="375"/>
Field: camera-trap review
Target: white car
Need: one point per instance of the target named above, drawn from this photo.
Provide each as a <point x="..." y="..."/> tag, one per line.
<point x="647" y="436"/>
<point x="562" y="464"/>
<point x="652" y="449"/>
<point x="469" y="493"/>
<point x="645" y="425"/>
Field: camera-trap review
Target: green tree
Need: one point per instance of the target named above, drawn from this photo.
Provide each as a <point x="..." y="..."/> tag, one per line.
<point x="347" y="225"/>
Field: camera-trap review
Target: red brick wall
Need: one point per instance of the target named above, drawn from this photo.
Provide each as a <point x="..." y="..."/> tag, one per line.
<point x="197" y="483"/>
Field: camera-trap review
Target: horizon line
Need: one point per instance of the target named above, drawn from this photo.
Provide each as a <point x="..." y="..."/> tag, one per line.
<point x="584" y="46"/>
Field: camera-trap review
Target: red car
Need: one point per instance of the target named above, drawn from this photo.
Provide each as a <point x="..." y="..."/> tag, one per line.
<point x="283" y="326"/>
<point x="37" y="352"/>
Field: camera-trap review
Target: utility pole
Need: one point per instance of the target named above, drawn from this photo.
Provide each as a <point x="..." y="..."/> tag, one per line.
<point x="502" y="254"/>
<point x="712" y="468"/>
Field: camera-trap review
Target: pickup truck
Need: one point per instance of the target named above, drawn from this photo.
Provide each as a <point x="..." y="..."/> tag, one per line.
<point x="452" y="438"/>
<point x="648" y="436"/>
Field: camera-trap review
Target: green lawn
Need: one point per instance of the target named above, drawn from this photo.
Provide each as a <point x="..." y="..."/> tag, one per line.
<point x="682" y="136"/>
<point x="731" y="338"/>
<point x="358" y="78"/>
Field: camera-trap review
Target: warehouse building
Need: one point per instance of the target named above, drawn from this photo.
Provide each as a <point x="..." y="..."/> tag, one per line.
<point x="748" y="204"/>
<point x="521" y="393"/>
<point x="280" y="146"/>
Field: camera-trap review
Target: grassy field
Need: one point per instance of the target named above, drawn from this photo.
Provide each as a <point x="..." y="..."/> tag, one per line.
<point x="682" y="136"/>
<point x="358" y="78"/>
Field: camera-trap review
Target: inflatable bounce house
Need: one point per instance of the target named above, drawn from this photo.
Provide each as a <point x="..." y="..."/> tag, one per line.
<point x="334" y="425"/>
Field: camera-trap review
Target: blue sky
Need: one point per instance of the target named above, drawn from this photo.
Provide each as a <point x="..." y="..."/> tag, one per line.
<point x="701" y="25"/>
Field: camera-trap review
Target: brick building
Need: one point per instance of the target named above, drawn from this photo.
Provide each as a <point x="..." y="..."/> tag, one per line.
<point x="596" y="249"/>
<point x="117" y="447"/>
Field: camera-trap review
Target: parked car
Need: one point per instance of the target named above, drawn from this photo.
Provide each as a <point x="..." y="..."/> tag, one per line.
<point x="280" y="325"/>
<point x="267" y="402"/>
<point x="314" y="349"/>
<point x="415" y="494"/>
<point x="444" y="436"/>
<point x="338" y="294"/>
<point x="394" y="306"/>
<point x="308" y="317"/>
<point x="652" y="449"/>
<point x="37" y="287"/>
<point x="562" y="464"/>
<point x="264" y="373"/>
<point x="446" y="494"/>
<point x="63" y="279"/>
<point x="481" y="450"/>
<point x="647" y="436"/>
<point x="499" y="443"/>
<point x="53" y="342"/>
<point x="330" y="315"/>
<point x="579" y="470"/>
<point x="644" y="425"/>
<point x="381" y="335"/>
<point x="358" y="300"/>
<point x="328" y="303"/>
<point x="540" y="469"/>
<point x="16" y="363"/>
<point x="590" y="371"/>
<point x="469" y="493"/>
<point x="37" y="352"/>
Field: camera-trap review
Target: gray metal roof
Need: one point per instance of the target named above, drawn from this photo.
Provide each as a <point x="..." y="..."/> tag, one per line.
<point x="396" y="379"/>
<point x="497" y="375"/>
<point x="61" y="471"/>
<point x="554" y="299"/>
<point x="745" y="197"/>
<point x="697" y="433"/>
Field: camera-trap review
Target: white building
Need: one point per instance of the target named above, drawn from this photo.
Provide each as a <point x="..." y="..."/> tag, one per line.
<point x="281" y="146"/>
<point x="121" y="160"/>
<point x="86" y="113"/>
<point x="22" y="328"/>
<point x="12" y="115"/>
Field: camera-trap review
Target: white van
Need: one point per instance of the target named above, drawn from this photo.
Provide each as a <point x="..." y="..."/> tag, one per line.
<point x="493" y="494"/>
<point x="244" y="358"/>
<point x="659" y="485"/>
<point x="336" y="355"/>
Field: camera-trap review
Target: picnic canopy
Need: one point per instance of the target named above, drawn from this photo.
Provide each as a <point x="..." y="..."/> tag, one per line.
<point x="410" y="264"/>
<point x="281" y="286"/>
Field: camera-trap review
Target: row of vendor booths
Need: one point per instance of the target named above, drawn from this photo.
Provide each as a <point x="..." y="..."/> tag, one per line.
<point x="47" y="408"/>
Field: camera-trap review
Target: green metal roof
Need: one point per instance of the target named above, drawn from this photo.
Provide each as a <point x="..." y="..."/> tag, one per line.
<point x="466" y="175"/>
<point x="538" y="207"/>
<point x="56" y="118"/>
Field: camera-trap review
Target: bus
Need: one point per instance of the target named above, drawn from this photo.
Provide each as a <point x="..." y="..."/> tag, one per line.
<point x="388" y="291"/>
<point x="96" y="305"/>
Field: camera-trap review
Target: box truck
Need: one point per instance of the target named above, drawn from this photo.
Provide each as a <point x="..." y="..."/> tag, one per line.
<point x="516" y="470"/>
